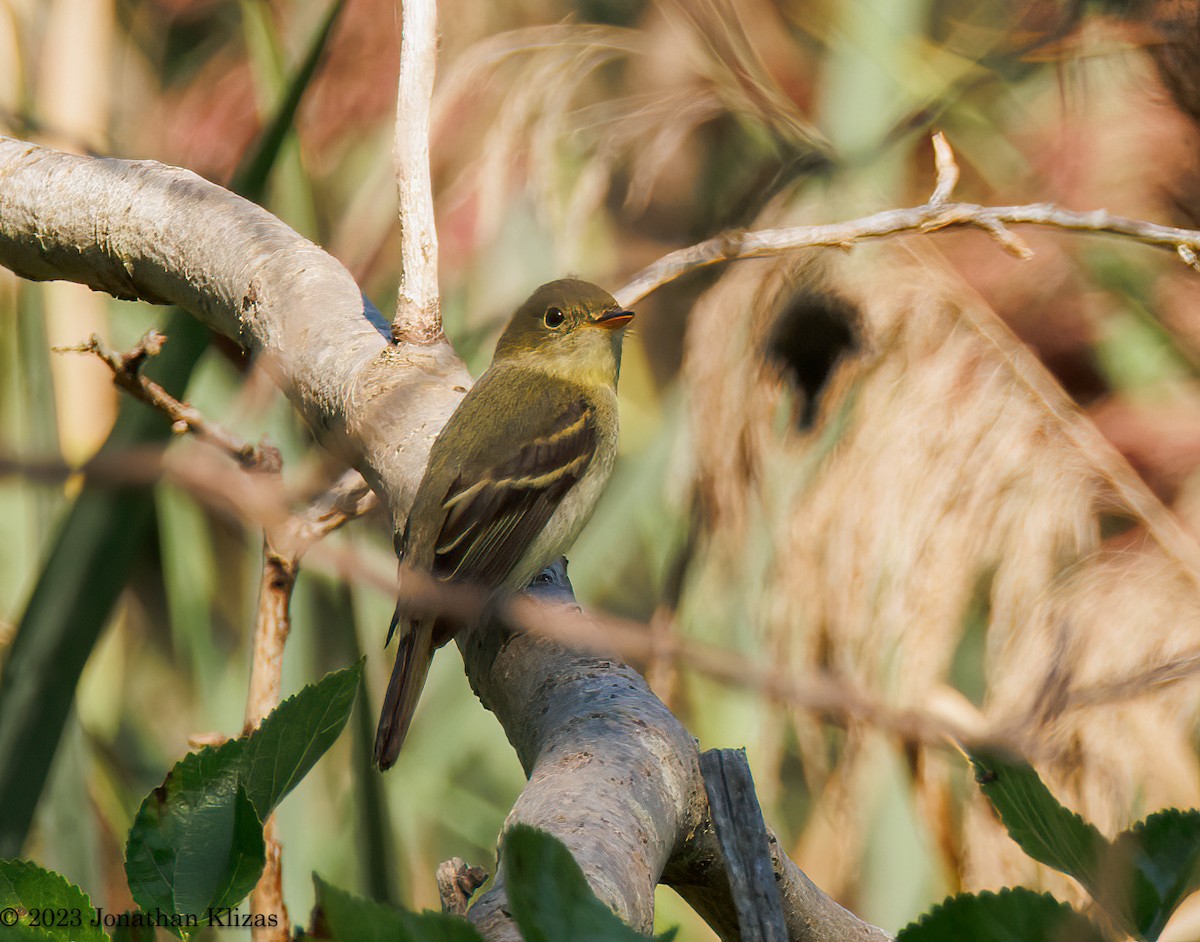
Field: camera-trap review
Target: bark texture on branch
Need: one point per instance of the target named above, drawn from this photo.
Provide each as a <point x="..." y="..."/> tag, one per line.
<point x="614" y="775"/>
<point x="611" y="771"/>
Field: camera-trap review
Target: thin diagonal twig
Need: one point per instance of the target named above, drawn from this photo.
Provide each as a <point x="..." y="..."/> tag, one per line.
<point x="127" y="374"/>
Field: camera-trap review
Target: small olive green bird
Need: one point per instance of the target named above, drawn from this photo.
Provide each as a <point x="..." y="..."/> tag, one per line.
<point x="516" y="472"/>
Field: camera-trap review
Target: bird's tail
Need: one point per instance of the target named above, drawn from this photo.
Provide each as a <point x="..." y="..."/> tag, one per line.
<point x="414" y="654"/>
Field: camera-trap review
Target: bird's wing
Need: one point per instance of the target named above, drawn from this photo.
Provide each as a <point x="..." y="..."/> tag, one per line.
<point x="492" y="516"/>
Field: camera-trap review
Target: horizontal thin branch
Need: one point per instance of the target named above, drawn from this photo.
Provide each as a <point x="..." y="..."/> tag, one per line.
<point x="935" y="215"/>
<point x="836" y="699"/>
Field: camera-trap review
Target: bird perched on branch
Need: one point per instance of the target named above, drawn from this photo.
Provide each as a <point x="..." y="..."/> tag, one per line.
<point x="516" y="472"/>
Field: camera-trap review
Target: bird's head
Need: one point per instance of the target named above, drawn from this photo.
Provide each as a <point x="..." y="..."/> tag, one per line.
<point x="569" y="328"/>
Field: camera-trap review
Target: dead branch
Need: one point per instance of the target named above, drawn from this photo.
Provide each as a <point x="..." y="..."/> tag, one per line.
<point x="742" y="834"/>
<point x="127" y="374"/>
<point x="932" y="216"/>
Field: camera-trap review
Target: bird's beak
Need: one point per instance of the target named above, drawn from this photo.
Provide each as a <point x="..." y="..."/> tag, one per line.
<point x="613" y="320"/>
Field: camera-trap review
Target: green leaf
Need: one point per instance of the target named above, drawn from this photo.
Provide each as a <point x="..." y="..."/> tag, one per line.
<point x="550" y="897"/>
<point x="296" y="734"/>
<point x="1163" y="856"/>
<point x="203" y="875"/>
<point x="1015" y="915"/>
<point x="342" y="916"/>
<point x="62" y="910"/>
<point x="1046" y="831"/>
<point x="197" y="839"/>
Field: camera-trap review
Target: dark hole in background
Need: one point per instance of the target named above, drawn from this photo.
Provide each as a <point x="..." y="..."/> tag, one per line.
<point x="814" y="331"/>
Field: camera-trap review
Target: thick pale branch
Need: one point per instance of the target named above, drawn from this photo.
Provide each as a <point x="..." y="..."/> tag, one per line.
<point x="616" y="777"/>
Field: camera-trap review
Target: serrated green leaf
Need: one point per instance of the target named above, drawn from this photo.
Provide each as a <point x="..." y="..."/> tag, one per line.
<point x="550" y="897"/>
<point x="1163" y="854"/>
<point x="343" y="917"/>
<point x="28" y="888"/>
<point x="1046" y="831"/>
<point x="197" y="839"/>
<point x="1014" y="915"/>
<point x="297" y="733"/>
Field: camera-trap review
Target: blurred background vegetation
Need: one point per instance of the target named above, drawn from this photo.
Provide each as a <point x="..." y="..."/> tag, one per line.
<point x="591" y="137"/>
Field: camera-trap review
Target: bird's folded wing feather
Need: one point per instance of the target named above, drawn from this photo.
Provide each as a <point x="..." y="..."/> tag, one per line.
<point x="493" y="516"/>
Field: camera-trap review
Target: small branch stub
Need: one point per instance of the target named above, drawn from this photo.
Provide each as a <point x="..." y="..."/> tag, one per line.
<point x="947" y="170"/>
<point x="457" y="882"/>
<point x="1188" y="254"/>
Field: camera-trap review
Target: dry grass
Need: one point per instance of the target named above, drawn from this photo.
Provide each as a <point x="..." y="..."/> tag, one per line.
<point x="945" y="461"/>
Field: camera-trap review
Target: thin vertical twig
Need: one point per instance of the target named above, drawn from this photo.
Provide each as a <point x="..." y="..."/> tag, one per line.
<point x="418" y="317"/>
<point x="283" y="546"/>
<point x="271" y="628"/>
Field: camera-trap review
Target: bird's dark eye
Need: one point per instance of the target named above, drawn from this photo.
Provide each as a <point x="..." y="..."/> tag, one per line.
<point x="554" y="317"/>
